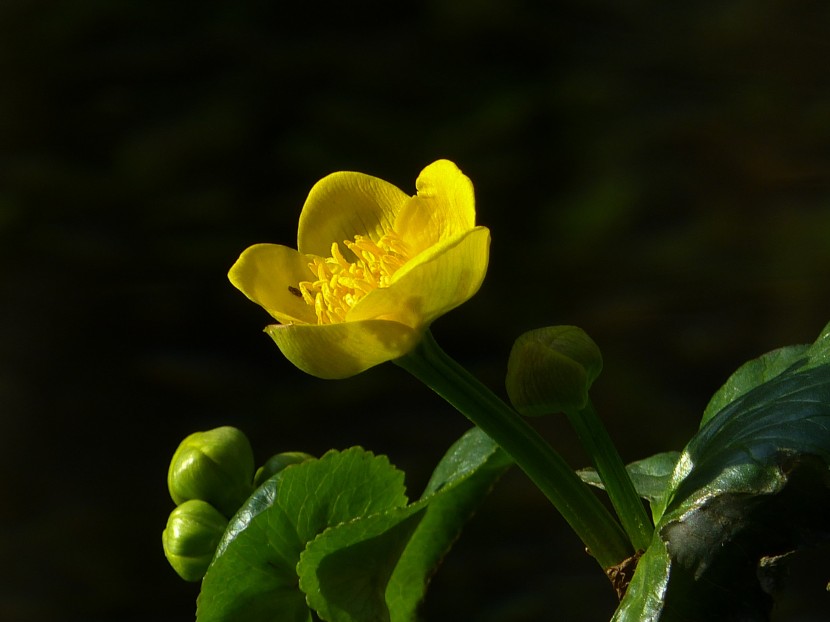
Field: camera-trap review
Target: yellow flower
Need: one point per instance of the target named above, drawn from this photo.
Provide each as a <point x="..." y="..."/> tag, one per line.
<point x="404" y="261"/>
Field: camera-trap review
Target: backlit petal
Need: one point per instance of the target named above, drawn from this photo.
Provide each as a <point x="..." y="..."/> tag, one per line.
<point x="437" y="281"/>
<point x="443" y="208"/>
<point x="344" y="349"/>
<point x="264" y="272"/>
<point x="346" y="204"/>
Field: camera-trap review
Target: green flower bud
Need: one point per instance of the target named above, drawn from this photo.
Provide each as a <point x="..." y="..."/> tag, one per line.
<point x="551" y="369"/>
<point x="277" y="463"/>
<point x="193" y="532"/>
<point x="216" y="466"/>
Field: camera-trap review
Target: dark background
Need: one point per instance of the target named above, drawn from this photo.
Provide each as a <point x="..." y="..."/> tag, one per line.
<point x="657" y="175"/>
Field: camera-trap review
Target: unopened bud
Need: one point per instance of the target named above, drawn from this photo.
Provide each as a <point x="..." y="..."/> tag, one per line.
<point x="216" y="466"/>
<point x="551" y="369"/>
<point x="193" y="532"/>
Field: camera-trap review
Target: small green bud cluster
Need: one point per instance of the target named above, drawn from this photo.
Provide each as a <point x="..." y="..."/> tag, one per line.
<point x="551" y="369"/>
<point x="210" y="476"/>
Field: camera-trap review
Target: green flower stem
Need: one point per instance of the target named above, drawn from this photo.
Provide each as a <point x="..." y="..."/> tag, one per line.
<point x="594" y="438"/>
<point x="592" y="522"/>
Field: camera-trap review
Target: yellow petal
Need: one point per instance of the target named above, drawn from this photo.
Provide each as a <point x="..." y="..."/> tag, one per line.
<point x="264" y="272"/>
<point x="345" y="349"/>
<point x="346" y="204"/>
<point x="443" y="208"/>
<point x="437" y="281"/>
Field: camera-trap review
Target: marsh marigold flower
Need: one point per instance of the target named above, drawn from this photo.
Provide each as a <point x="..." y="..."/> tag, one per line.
<point x="373" y="268"/>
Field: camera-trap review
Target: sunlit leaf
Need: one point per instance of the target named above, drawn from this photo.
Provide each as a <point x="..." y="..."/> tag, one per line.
<point x="460" y="482"/>
<point x="345" y="571"/>
<point x="752" y="374"/>
<point x="378" y="567"/>
<point x="336" y="535"/>
<point x="752" y="482"/>
<point x="253" y="575"/>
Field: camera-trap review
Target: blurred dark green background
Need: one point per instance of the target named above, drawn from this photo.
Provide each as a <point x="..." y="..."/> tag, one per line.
<point x="659" y="175"/>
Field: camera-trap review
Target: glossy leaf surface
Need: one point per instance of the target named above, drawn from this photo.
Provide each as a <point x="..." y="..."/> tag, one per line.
<point x="751" y="481"/>
<point x="650" y="476"/>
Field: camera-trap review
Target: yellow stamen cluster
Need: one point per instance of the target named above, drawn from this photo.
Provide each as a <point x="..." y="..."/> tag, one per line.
<point x="340" y="284"/>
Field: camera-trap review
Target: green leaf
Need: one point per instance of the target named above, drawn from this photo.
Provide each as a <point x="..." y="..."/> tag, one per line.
<point x="644" y="600"/>
<point x="253" y="575"/>
<point x="750" y="483"/>
<point x="336" y="535"/>
<point x="376" y="568"/>
<point x="461" y="480"/>
<point x="709" y="563"/>
<point x="752" y="374"/>
<point x="650" y="476"/>
<point x="345" y="570"/>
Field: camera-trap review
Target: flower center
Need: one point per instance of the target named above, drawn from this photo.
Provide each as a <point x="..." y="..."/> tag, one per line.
<point x="340" y="284"/>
